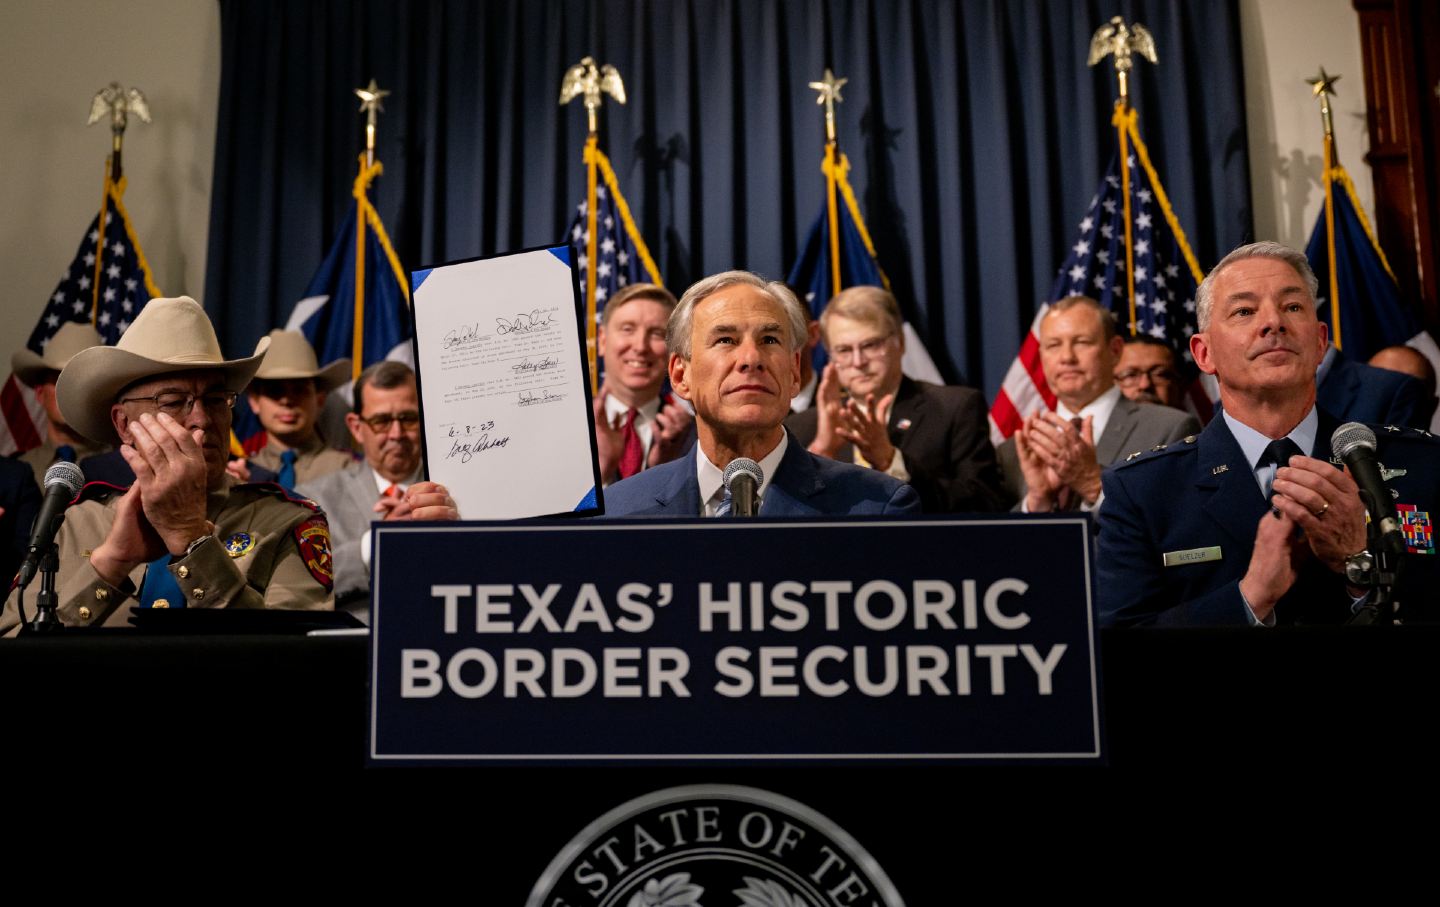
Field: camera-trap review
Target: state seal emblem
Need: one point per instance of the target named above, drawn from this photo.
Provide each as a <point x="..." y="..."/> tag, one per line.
<point x="713" y="846"/>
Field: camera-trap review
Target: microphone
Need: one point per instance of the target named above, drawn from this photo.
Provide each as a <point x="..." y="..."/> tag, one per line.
<point x="1355" y="444"/>
<point x="63" y="482"/>
<point x="743" y="478"/>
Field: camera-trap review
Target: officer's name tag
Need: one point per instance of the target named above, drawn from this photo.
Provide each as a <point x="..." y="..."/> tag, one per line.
<point x="1192" y="556"/>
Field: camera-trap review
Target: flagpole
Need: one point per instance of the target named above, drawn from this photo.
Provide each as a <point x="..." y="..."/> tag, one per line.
<point x="829" y="89"/>
<point x="371" y="98"/>
<point x="117" y="104"/>
<point x="590" y="81"/>
<point x="1323" y="86"/>
<point x="1122" y="40"/>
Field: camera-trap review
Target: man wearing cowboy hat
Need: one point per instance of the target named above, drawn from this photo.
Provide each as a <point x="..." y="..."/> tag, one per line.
<point x="39" y="374"/>
<point x="185" y="534"/>
<point x="286" y="396"/>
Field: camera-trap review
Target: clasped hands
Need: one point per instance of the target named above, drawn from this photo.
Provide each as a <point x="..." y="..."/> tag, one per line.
<point x="421" y="501"/>
<point x="864" y="424"/>
<point x="164" y="511"/>
<point x="1317" y="512"/>
<point x="669" y="432"/>
<point x="1054" y="455"/>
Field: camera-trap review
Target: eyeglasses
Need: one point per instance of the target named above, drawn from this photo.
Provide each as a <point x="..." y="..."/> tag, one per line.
<point x="381" y="422"/>
<point x="874" y="348"/>
<point x="1156" y="374"/>
<point x="177" y="405"/>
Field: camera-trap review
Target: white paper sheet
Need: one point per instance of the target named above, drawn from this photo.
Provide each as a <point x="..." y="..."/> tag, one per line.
<point x="503" y="384"/>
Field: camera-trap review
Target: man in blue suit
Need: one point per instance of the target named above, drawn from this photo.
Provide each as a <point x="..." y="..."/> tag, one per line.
<point x="1355" y="392"/>
<point x="735" y="344"/>
<point x="1249" y="523"/>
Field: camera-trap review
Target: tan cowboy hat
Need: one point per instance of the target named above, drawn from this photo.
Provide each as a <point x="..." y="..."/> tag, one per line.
<point x="72" y="337"/>
<point x="292" y="356"/>
<point x="169" y="335"/>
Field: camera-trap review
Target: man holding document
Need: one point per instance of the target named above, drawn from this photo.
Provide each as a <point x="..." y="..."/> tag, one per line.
<point x="735" y="343"/>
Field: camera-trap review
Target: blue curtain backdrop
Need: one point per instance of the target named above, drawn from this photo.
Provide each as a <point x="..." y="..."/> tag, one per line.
<point x="976" y="133"/>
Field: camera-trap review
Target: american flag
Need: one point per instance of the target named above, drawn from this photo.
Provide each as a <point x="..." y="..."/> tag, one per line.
<point x="617" y="264"/>
<point x="108" y="282"/>
<point x="1095" y="266"/>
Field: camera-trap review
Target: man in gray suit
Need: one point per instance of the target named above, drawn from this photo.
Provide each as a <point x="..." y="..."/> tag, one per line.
<point x="387" y="486"/>
<point x="1054" y="461"/>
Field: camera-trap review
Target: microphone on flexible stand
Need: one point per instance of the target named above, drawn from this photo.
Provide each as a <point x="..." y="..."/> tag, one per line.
<point x="1379" y="567"/>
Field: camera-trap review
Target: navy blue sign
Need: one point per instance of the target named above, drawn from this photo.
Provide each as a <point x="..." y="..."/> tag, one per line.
<point x="735" y="640"/>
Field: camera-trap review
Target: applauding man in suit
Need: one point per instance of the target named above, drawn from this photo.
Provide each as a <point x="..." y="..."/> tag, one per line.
<point x="936" y="438"/>
<point x="1054" y="461"/>
<point x="735" y="344"/>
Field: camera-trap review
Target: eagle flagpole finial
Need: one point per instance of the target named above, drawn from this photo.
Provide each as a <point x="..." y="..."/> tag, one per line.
<point x="118" y="103"/>
<point x="591" y="81"/>
<point x="1115" y="37"/>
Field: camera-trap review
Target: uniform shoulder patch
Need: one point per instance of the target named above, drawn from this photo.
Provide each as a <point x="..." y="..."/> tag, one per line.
<point x="313" y="538"/>
<point x="279" y="491"/>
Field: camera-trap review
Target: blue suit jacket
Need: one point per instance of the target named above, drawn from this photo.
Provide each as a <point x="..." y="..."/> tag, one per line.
<point x="803" y="485"/>
<point x="1203" y="494"/>
<point x="1355" y="392"/>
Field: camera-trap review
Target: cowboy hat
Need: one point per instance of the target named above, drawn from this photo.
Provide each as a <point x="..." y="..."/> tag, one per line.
<point x="292" y="356"/>
<point x="72" y="337"/>
<point x="169" y="335"/>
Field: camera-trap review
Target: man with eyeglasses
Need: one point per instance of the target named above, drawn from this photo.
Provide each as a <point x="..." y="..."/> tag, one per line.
<point x="867" y="412"/>
<point x="185" y="534"/>
<point x="1055" y="460"/>
<point x="386" y="424"/>
<point x="1147" y="372"/>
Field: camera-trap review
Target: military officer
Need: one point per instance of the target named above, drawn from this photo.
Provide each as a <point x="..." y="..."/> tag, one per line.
<point x="185" y="534"/>
<point x="1252" y="522"/>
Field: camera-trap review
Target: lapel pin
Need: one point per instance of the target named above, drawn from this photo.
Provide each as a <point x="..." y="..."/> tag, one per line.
<point x="902" y="424"/>
<point x="1219" y="469"/>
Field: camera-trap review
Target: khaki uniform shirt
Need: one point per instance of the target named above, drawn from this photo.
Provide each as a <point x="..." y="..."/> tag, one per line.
<point x="267" y="551"/>
<point x="312" y="461"/>
<point x="43" y="457"/>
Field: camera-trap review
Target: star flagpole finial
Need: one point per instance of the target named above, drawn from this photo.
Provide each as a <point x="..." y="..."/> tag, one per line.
<point x="371" y="98"/>
<point x="829" y="88"/>
<point x="1323" y="87"/>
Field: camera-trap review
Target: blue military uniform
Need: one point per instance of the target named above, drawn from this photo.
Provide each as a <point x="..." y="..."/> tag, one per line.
<point x="1196" y="505"/>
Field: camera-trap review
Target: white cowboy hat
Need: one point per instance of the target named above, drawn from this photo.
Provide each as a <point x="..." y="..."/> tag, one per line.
<point x="169" y="335"/>
<point x="292" y="356"/>
<point x="72" y="337"/>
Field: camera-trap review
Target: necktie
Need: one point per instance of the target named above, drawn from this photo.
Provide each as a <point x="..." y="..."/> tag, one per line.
<point x="723" y="510"/>
<point x="65" y="452"/>
<point x="391" y="491"/>
<point x="287" y="470"/>
<point x="159" y="586"/>
<point x="632" y="452"/>
<point x="1277" y="454"/>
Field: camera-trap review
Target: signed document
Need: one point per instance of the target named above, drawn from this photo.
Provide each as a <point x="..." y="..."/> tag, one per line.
<point x="504" y="387"/>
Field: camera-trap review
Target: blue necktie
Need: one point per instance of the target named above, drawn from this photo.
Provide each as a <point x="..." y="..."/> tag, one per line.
<point x="287" y="470"/>
<point x="65" y="452"/>
<point x="158" y="583"/>
<point x="725" y="504"/>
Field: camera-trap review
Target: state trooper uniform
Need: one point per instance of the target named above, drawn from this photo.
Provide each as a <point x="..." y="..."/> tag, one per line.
<point x="266" y="548"/>
<point x="290" y="357"/>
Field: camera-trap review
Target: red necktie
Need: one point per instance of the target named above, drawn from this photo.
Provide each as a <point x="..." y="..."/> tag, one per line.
<point x="392" y="492"/>
<point x="633" y="453"/>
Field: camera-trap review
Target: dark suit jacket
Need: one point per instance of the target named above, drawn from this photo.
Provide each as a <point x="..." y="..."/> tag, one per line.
<point x="1132" y="426"/>
<point x="20" y="501"/>
<point x="1202" y="494"/>
<point x="803" y="485"/>
<point x="1355" y="392"/>
<point x="945" y="437"/>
